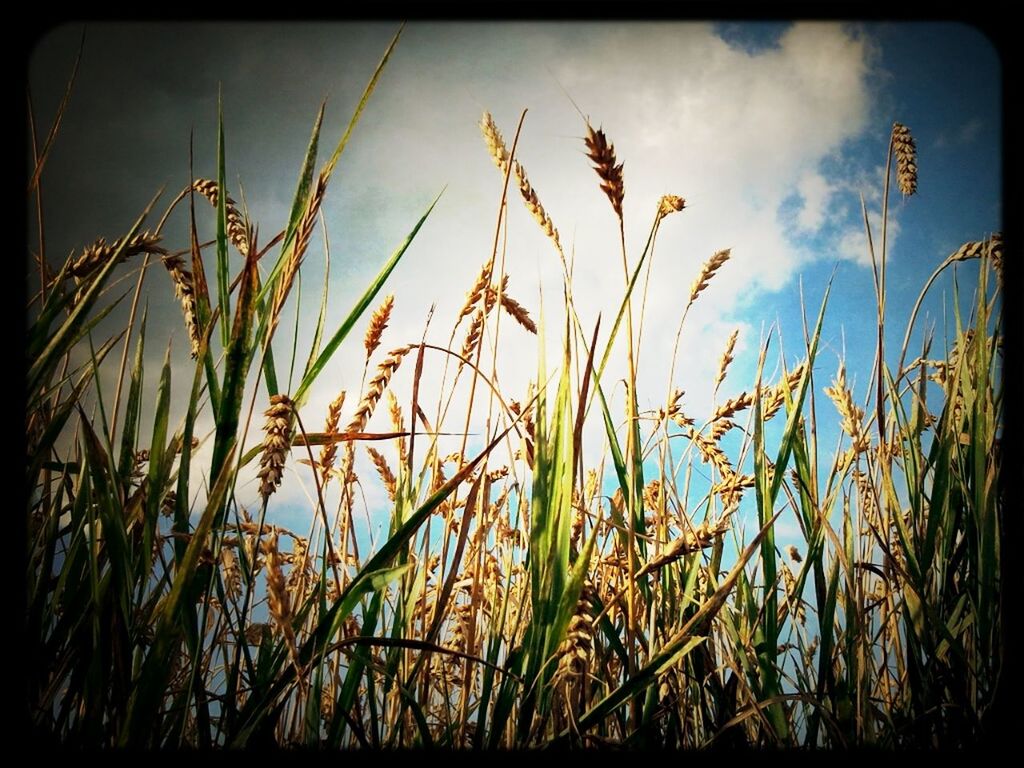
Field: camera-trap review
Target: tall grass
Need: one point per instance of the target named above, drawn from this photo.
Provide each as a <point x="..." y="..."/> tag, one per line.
<point x="520" y="598"/>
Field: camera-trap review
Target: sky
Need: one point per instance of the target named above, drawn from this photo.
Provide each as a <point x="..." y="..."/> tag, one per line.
<point x="772" y="132"/>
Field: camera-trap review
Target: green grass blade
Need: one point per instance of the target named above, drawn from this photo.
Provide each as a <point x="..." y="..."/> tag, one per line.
<point x="129" y="431"/>
<point x="223" y="266"/>
<point x="371" y="292"/>
<point x="143" y="706"/>
<point x="239" y="354"/>
<point x="159" y="468"/>
<point x="367" y="92"/>
<point x="300" y="202"/>
<point x="58" y="419"/>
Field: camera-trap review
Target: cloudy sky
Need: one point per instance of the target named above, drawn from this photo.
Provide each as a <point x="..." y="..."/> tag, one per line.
<point x="772" y="133"/>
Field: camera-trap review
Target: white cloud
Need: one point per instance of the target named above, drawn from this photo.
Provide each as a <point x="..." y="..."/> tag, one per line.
<point x="734" y="133"/>
<point x="852" y="242"/>
<point x="815" y="193"/>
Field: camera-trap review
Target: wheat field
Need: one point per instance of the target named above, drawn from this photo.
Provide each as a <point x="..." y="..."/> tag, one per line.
<point x="520" y="595"/>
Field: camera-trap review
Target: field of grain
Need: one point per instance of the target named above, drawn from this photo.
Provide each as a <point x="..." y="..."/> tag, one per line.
<point x="522" y="596"/>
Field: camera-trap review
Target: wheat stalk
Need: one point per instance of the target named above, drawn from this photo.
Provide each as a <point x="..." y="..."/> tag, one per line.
<point x="237" y="227"/>
<point x="992" y="247"/>
<point x="184" y="289"/>
<point x="577" y="649"/>
<point x="397" y="425"/>
<point x="495" y="142"/>
<point x="303" y="233"/>
<point x="602" y="155"/>
<point x="853" y="416"/>
<point x="386" y="475"/>
<point x="276" y="443"/>
<point x="534" y="206"/>
<point x="376" y="388"/>
<point x="723" y="363"/>
<point x="710" y="453"/>
<point x="772" y="398"/>
<point x="232" y="573"/>
<point x="499" y="154"/>
<point x="906" y="159"/>
<point x="730" y="488"/>
<point x="481" y="284"/>
<point x="330" y="449"/>
<point x="99" y="253"/>
<point x="472" y="336"/>
<point x="518" y="311"/>
<point x="707" y="271"/>
<point x="278" y="599"/>
<point x="670" y="204"/>
<point x="720" y="427"/>
<point x="693" y="540"/>
<point x="378" y="322"/>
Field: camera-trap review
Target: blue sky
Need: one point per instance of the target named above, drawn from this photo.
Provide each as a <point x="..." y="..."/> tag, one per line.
<point x="770" y="131"/>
